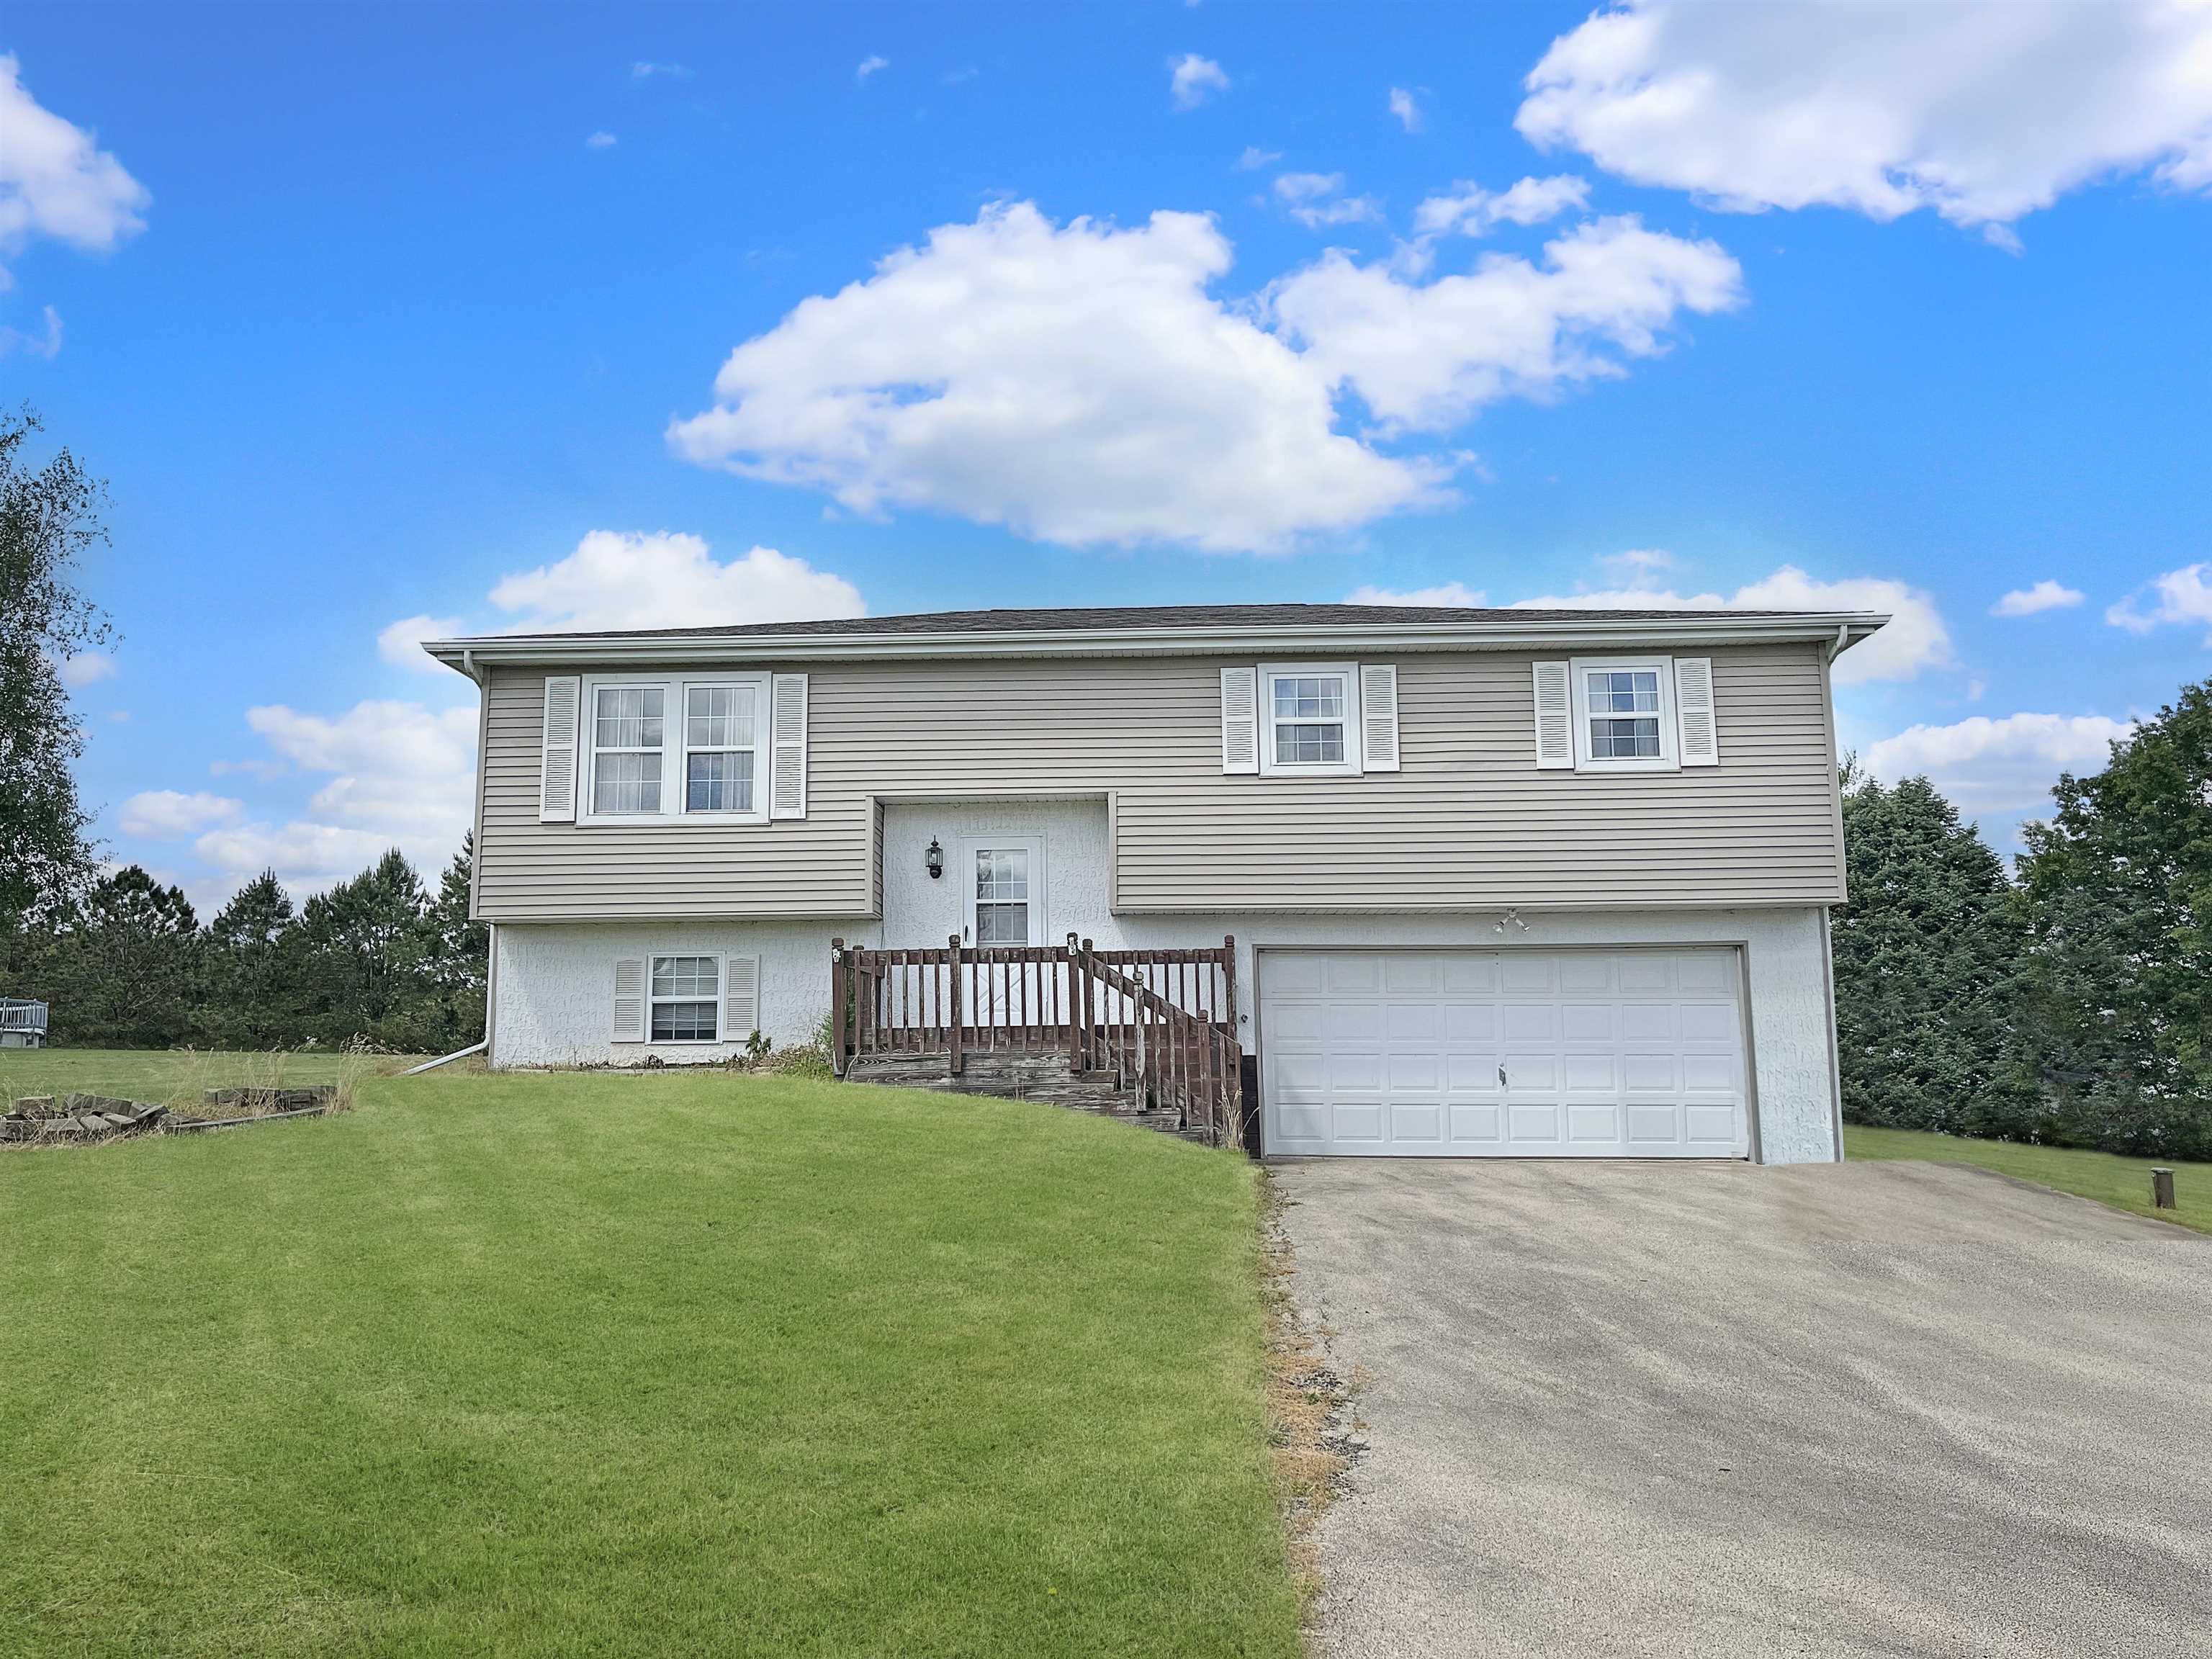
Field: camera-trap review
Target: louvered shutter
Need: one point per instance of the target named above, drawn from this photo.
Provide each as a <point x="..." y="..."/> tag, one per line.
<point x="1694" y="712"/>
<point x="1240" y="720"/>
<point x="556" y="775"/>
<point x="1378" y="717"/>
<point x="630" y="1000"/>
<point x="787" y="765"/>
<point x="1555" y="715"/>
<point x="740" y="997"/>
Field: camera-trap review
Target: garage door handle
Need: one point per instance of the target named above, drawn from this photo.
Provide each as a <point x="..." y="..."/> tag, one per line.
<point x="1501" y="1077"/>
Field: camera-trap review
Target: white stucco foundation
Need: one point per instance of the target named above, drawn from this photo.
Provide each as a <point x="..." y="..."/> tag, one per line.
<point x="555" y="984"/>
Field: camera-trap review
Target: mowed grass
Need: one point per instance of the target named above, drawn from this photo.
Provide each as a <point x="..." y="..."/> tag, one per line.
<point x="594" y="1364"/>
<point x="2122" y="1182"/>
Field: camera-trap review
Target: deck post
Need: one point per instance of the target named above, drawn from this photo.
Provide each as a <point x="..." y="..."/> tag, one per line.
<point x="953" y="1037"/>
<point x="1232" y="1096"/>
<point x="837" y="972"/>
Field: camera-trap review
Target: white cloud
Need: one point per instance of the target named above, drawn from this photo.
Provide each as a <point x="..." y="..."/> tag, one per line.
<point x="1981" y="112"/>
<point x="1635" y="567"/>
<point x="1916" y="638"/>
<point x="1448" y="593"/>
<point x="1074" y="383"/>
<point x="1426" y="356"/>
<point x="614" y="580"/>
<point x="167" y="815"/>
<point x="55" y="182"/>
<point x="642" y="70"/>
<point x="601" y="141"/>
<point x="1190" y="77"/>
<point x="1468" y="209"/>
<point x="1984" y="765"/>
<point x="1255" y="158"/>
<point x="400" y="643"/>
<point x="86" y="668"/>
<point x="2184" y="597"/>
<point x="398" y="775"/>
<point x="1314" y="200"/>
<point x="870" y="65"/>
<point x="2044" y="596"/>
<point x="47" y="343"/>
<point x="1406" y="109"/>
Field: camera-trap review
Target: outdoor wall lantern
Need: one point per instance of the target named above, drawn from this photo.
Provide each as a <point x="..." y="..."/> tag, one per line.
<point x="934" y="859"/>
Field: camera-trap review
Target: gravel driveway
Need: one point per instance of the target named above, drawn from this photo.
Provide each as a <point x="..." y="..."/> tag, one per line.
<point x="1713" y="1409"/>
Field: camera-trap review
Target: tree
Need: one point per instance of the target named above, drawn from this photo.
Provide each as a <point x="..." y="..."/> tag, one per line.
<point x="123" y="968"/>
<point x="49" y="517"/>
<point x="2118" y="896"/>
<point x="253" y="969"/>
<point x="1928" y="955"/>
<point x="366" y="955"/>
<point x="459" y="952"/>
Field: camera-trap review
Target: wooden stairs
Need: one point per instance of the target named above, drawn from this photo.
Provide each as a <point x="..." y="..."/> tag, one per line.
<point x="1048" y="1078"/>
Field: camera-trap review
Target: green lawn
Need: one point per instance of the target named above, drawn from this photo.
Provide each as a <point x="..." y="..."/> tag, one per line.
<point x="615" y="1364"/>
<point x="2122" y="1182"/>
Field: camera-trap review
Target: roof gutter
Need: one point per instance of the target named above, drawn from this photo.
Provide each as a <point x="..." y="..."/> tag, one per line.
<point x="473" y="655"/>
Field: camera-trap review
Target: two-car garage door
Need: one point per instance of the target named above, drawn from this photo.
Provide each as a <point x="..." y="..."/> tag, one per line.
<point x="1630" y="1053"/>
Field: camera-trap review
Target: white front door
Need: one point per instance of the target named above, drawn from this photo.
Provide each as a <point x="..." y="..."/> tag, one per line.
<point x="1005" y="877"/>
<point x="1628" y="1052"/>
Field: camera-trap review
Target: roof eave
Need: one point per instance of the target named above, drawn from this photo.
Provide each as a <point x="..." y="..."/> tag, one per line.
<point x="1609" y="632"/>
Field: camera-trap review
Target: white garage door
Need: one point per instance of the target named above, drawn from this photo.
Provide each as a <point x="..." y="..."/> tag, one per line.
<point x="1502" y="1054"/>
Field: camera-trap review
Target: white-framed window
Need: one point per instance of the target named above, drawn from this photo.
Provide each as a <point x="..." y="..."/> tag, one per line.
<point x="1623" y="710"/>
<point x="1004" y="878"/>
<point x="1309" y="719"/>
<point x="659" y="750"/>
<point x="685" y="1000"/>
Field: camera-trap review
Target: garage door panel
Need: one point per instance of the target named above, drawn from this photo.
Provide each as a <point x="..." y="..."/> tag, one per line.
<point x="1530" y="1022"/>
<point x="1470" y="1022"/>
<point x="1477" y="1122"/>
<point x="1413" y="1022"/>
<point x="1591" y="1073"/>
<point x="1506" y="1052"/>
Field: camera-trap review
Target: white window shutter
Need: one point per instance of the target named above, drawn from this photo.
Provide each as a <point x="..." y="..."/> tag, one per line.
<point x="557" y="776"/>
<point x="1378" y="717"/>
<point x="1694" y="712"/>
<point x="740" y="997"/>
<point x="630" y="1000"/>
<point x="1555" y="715"/>
<point x="787" y="767"/>
<point x="1240" y="720"/>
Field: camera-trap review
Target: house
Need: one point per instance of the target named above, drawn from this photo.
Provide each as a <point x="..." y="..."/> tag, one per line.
<point x="1466" y="882"/>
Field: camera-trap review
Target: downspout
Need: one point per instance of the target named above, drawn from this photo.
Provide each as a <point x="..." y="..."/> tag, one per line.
<point x="1843" y="643"/>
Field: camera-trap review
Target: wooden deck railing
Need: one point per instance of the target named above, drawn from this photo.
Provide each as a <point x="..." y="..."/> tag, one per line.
<point x="1163" y="1021"/>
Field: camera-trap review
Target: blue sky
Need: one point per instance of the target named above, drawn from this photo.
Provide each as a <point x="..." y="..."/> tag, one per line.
<point x="382" y="318"/>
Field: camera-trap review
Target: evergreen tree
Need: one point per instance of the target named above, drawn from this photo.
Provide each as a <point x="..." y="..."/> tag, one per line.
<point x="124" y="968"/>
<point x="2118" y="891"/>
<point x="254" y="970"/>
<point x="459" y="952"/>
<point x="1928" y="955"/>
<point x="366" y="949"/>
<point x="48" y="518"/>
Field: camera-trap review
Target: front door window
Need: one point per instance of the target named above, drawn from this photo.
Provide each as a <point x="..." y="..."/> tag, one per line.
<point x="1002" y="896"/>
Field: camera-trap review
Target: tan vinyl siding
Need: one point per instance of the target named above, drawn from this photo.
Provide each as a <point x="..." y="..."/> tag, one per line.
<point x="1470" y="821"/>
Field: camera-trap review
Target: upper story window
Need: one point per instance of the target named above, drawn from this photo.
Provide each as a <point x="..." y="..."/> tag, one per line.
<point x="667" y="749"/>
<point x="1624" y="713"/>
<point x="1308" y="718"/>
